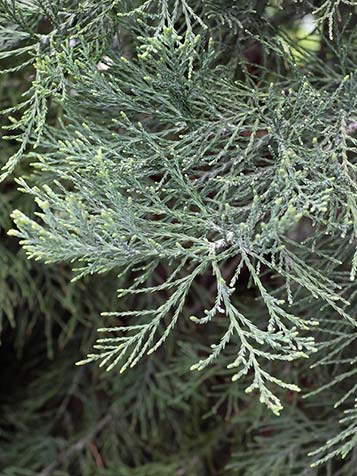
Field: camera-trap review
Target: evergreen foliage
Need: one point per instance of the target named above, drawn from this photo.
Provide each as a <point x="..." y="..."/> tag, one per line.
<point x="194" y="162"/>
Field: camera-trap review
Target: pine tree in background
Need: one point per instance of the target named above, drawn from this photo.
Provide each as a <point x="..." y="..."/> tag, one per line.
<point x="194" y="163"/>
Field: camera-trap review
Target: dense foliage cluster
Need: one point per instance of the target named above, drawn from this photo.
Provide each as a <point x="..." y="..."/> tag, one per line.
<point x="187" y="169"/>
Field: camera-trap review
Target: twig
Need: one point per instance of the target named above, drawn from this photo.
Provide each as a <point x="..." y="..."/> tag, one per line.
<point x="77" y="447"/>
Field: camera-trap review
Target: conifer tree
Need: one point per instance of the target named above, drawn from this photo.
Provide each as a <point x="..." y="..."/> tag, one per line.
<point x="194" y="164"/>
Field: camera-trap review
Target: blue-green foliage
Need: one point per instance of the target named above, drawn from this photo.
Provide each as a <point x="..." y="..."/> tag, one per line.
<point x="205" y="155"/>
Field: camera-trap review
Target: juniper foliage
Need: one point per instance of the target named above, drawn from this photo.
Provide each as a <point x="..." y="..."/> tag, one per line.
<point x="205" y="153"/>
